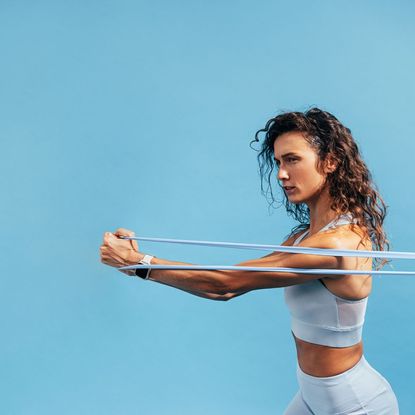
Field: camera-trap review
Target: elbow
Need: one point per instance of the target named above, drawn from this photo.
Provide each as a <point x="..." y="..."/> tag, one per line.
<point x="226" y="285"/>
<point x="223" y="297"/>
<point x="217" y="297"/>
<point x="220" y="286"/>
<point x="226" y="297"/>
<point x="229" y="296"/>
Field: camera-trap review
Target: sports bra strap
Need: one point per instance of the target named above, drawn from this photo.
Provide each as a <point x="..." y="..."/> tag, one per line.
<point x="343" y="219"/>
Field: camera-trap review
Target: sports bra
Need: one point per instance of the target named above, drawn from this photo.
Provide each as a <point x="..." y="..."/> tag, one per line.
<point x="317" y="315"/>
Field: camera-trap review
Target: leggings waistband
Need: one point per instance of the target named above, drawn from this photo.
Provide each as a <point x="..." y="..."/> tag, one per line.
<point x="329" y="379"/>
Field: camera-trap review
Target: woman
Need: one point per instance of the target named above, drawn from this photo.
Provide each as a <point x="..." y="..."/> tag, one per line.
<point x="328" y="189"/>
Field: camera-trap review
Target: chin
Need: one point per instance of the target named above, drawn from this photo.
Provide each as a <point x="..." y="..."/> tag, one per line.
<point x="293" y="198"/>
<point x="296" y="200"/>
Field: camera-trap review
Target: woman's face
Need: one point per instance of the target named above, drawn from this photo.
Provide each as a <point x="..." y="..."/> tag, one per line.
<point x="296" y="161"/>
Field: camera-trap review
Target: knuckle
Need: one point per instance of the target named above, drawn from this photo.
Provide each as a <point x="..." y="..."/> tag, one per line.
<point x="124" y="232"/>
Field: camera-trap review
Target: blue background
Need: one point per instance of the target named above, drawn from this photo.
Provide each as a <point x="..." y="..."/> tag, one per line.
<point x="138" y="114"/>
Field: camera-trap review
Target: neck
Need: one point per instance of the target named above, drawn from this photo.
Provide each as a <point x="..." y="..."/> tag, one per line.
<point x="320" y="212"/>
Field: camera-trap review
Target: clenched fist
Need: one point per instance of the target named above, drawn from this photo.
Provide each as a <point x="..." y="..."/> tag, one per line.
<point x="117" y="252"/>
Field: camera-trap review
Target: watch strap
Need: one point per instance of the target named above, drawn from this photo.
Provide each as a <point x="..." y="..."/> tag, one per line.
<point x="144" y="273"/>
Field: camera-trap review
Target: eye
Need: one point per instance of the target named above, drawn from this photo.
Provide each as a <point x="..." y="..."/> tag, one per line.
<point x="289" y="160"/>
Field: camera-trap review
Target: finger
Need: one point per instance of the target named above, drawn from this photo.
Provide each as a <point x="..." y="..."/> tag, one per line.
<point x="107" y="237"/>
<point x="124" y="232"/>
<point x="109" y="262"/>
<point x="135" y="245"/>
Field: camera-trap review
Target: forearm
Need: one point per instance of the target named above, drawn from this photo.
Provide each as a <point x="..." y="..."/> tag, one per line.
<point x="209" y="296"/>
<point x="205" y="283"/>
<point x="210" y="284"/>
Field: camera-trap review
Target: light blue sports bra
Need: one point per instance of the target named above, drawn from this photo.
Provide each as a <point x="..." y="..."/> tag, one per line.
<point x="317" y="315"/>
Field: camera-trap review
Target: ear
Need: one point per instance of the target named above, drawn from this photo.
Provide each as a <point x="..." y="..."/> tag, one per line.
<point x="330" y="164"/>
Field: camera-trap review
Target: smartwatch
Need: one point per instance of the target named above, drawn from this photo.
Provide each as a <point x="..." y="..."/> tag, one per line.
<point x="144" y="273"/>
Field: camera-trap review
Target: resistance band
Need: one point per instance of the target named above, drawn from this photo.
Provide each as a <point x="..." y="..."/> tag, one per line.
<point x="277" y="248"/>
<point x="281" y="248"/>
<point x="268" y="269"/>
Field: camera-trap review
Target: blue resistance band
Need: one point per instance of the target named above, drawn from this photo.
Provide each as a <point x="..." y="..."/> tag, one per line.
<point x="268" y="269"/>
<point x="281" y="248"/>
<point x="277" y="248"/>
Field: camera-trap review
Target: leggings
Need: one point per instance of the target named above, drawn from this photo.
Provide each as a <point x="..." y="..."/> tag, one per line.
<point x="360" y="390"/>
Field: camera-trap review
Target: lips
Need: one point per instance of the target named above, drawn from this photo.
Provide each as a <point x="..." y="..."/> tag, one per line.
<point x="289" y="190"/>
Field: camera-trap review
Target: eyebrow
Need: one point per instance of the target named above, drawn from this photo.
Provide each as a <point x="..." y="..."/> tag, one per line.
<point x="286" y="154"/>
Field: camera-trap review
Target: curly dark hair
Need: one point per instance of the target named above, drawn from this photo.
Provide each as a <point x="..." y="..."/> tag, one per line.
<point x="351" y="187"/>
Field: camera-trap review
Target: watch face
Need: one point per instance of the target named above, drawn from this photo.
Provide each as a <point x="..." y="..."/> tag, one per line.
<point x="146" y="260"/>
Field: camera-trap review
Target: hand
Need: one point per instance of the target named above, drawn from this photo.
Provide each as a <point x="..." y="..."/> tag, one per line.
<point x="117" y="252"/>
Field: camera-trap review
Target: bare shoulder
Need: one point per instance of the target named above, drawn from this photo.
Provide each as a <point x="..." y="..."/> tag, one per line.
<point x="348" y="237"/>
<point x="342" y="237"/>
<point x="290" y="240"/>
<point x="350" y="286"/>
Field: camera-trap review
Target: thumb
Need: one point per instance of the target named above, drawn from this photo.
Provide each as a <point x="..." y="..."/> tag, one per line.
<point x="134" y="245"/>
<point x="126" y="232"/>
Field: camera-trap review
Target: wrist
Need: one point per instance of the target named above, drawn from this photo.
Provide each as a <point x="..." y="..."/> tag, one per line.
<point x="134" y="258"/>
<point x="145" y="272"/>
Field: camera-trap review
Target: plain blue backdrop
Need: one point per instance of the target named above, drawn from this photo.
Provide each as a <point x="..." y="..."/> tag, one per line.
<point x="139" y="114"/>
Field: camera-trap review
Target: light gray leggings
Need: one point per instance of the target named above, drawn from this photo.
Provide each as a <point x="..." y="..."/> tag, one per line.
<point x="361" y="390"/>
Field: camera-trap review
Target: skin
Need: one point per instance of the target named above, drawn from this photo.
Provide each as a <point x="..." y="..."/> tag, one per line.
<point x="299" y="170"/>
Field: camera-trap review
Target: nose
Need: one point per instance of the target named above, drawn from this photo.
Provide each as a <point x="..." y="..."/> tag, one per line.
<point x="282" y="174"/>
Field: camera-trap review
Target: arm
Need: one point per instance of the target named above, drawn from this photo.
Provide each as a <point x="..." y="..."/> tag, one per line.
<point x="220" y="284"/>
<point x="224" y="282"/>
<point x="117" y="252"/>
<point x="167" y="280"/>
<point x="210" y="296"/>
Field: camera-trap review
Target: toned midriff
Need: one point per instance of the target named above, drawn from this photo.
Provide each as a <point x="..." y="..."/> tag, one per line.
<point x="323" y="361"/>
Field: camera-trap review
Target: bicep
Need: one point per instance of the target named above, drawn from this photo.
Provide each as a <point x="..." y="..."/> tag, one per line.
<point x="241" y="281"/>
